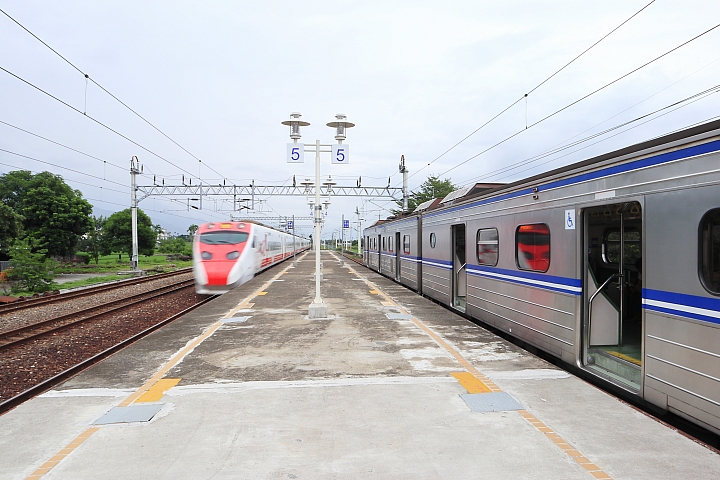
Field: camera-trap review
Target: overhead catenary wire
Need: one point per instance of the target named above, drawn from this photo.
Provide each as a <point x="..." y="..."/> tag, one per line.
<point x="95" y="120"/>
<point x="62" y="145"/>
<point x="525" y="96"/>
<point x="60" y="166"/>
<point x="87" y="77"/>
<point x="547" y="117"/>
<point x="677" y="105"/>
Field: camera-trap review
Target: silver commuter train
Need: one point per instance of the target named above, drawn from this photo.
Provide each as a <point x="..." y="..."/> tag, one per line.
<point x="611" y="264"/>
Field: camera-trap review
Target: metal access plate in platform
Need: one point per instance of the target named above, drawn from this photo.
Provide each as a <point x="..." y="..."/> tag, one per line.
<point x="131" y="414"/>
<point x="491" y="402"/>
<point x="235" y="319"/>
<point x="399" y="316"/>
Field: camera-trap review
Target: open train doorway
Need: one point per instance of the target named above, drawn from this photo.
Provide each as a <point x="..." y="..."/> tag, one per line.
<point x="397" y="256"/>
<point x="459" y="272"/>
<point x="613" y="323"/>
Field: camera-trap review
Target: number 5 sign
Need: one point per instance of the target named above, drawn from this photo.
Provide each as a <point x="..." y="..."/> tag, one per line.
<point x="295" y="153"/>
<point x="341" y="153"/>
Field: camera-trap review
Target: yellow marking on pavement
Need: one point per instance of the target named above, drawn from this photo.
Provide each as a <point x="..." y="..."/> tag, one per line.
<point x="58" y="457"/>
<point x="470" y="382"/>
<point x="388" y="304"/>
<point x="567" y="449"/>
<point x="174" y="360"/>
<point x="460" y="359"/>
<point x="156" y="392"/>
<point x="156" y="385"/>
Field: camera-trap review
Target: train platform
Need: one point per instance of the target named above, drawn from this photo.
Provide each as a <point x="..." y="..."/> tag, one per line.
<point x="390" y="385"/>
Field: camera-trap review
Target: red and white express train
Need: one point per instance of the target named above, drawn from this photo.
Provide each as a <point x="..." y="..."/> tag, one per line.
<point x="228" y="254"/>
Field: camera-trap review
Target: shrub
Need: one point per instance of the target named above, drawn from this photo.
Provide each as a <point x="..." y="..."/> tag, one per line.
<point x="31" y="270"/>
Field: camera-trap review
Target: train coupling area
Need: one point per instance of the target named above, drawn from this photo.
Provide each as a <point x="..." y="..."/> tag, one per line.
<point x="389" y="385"/>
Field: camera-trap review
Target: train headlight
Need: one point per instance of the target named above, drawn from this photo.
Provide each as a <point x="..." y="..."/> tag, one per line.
<point x="206" y="255"/>
<point x="233" y="255"/>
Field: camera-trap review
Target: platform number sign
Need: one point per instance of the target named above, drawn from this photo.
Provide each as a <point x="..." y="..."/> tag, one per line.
<point x="341" y="153"/>
<point x="289" y="224"/>
<point x="346" y="223"/>
<point x="295" y="153"/>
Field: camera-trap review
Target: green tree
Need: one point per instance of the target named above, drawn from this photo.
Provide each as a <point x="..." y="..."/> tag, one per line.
<point x="117" y="233"/>
<point x="92" y="242"/>
<point x="10" y="227"/>
<point x="192" y="229"/>
<point x="55" y="215"/>
<point x="173" y="245"/>
<point x="430" y="189"/>
<point x="30" y="271"/>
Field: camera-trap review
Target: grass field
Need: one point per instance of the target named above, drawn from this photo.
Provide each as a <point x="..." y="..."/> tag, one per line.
<point x="109" y="265"/>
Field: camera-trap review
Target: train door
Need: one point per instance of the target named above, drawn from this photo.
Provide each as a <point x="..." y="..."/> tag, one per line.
<point x="380" y="252"/>
<point x="613" y="323"/>
<point x="459" y="272"/>
<point x="397" y="256"/>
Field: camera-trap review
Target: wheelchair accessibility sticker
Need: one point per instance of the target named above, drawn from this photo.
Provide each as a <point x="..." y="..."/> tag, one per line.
<point x="570" y="219"/>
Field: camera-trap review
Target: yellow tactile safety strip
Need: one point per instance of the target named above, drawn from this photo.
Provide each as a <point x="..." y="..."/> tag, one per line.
<point x="58" y="457"/>
<point x="474" y="379"/>
<point x="156" y="392"/>
<point x="470" y="382"/>
<point x="568" y="449"/>
<point x="156" y="384"/>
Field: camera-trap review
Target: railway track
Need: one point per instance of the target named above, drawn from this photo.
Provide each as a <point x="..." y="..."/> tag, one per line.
<point x="36" y="357"/>
<point x="84" y="292"/>
<point x="57" y="324"/>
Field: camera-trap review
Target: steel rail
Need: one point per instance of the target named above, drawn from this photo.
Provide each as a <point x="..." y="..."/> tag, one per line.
<point x="34" y="302"/>
<point x="46" y="385"/>
<point x="23" y="334"/>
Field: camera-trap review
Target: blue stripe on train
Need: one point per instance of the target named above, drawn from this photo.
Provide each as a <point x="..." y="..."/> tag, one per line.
<point x="605" y="172"/>
<point x="572" y="286"/>
<point x="690" y="306"/>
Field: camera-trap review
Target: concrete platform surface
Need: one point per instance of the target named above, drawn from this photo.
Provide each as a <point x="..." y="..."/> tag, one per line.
<point x="390" y="385"/>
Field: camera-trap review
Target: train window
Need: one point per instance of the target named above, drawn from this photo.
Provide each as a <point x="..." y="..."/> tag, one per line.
<point x="390" y="244"/>
<point x="487" y="246"/>
<point x="223" y="238"/>
<point x="710" y="250"/>
<point x="532" y="247"/>
<point x="383" y="244"/>
<point x="611" y="247"/>
<point x="432" y="240"/>
<point x="406" y="243"/>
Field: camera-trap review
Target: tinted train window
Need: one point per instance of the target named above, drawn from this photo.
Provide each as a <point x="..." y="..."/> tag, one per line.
<point x="710" y="250"/>
<point x="383" y="244"/>
<point x="611" y="248"/>
<point x="223" y="238"/>
<point x="406" y="243"/>
<point x="390" y="242"/>
<point x="432" y="240"/>
<point x="532" y="247"/>
<point x="487" y="246"/>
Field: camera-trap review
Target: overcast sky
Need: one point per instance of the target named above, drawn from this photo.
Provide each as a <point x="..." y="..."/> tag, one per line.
<point x="415" y="77"/>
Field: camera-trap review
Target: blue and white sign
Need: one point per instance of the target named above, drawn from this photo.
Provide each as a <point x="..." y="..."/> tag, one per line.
<point x="346" y="223"/>
<point x="341" y="153"/>
<point x="289" y="224"/>
<point x="570" y="219"/>
<point x="295" y="153"/>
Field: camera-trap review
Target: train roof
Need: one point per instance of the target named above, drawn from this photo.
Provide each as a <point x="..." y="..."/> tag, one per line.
<point x="489" y="190"/>
<point x="255" y="222"/>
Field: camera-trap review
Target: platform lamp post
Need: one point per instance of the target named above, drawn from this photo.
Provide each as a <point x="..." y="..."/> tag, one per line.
<point x="339" y="155"/>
